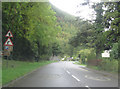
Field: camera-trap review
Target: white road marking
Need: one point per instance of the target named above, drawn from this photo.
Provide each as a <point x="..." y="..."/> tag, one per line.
<point x="68" y="72"/>
<point x="88" y="87"/>
<point x="75" y="78"/>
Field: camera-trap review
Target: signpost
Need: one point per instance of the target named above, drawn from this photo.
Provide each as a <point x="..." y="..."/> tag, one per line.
<point x="8" y="45"/>
<point x="8" y="48"/>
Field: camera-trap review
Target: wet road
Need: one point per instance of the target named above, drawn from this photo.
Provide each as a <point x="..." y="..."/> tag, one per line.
<point x="65" y="74"/>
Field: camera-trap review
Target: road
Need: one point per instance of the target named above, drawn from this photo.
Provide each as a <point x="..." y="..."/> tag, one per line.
<point x="65" y="74"/>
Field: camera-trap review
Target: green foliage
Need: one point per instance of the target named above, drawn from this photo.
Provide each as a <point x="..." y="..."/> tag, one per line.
<point x="13" y="19"/>
<point x="99" y="38"/>
<point x="112" y="20"/>
<point x="34" y="27"/>
<point x="109" y="65"/>
<point x="106" y="65"/>
<point x="56" y="49"/>
<point x="42" y="24"/>
<point x="43" y="30"/>
<point x="67" y="31"/>
<point x="114" y="52"/>
<point x="94" y="35"/>
<point x="84" y="36"/>
<point x="86" y="54"/>
<point x="118" y="49"/>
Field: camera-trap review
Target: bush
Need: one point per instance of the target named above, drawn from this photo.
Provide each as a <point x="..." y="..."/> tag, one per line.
<point x="114" y="52"/>
<point x="91" y="55"/>
<point x="75" y="58"/>
<point x="109" y="65"/>
<point x="44" y="57"/>
<point x="86" y="55"/>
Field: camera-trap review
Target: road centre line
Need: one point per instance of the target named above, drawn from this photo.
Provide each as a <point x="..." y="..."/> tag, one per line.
<point x="68" y="72"/>
<point x="88" y="87"/>
<point x="75" y="78"/>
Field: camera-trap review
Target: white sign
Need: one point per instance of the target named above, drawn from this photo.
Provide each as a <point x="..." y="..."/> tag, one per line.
<point x="8" y="42"/>
<point x="9" y="34"/>
<point x="106" y="53"/>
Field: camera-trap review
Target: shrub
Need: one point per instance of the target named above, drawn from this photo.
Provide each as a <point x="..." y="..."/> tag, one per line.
<point x="44" y="57"/>
<point x="109" y="65"/>
<point x="86" y="55"/>
<point x="114" y="52"/>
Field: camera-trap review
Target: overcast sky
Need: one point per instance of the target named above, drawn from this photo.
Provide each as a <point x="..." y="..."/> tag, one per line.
<point x="70" y="6"/>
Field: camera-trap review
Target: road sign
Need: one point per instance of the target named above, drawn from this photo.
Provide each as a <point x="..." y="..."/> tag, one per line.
<point x="106" y="53"/>
<point x="8" y="42"/>
<point x="9" y="34"/>
<point x="6" y="53"/>
<point x="8" y="48"/>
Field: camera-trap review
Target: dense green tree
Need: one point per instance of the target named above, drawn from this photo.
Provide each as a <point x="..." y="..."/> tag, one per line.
<point x="84" y="36"/>
<point x="68" y="30"/>
<point x="99" y="29"/>
<point x="34" y="28"/>
<point x="14" y="19"/>
<point x="95" y="35"/>
<point x="112" y="21"/>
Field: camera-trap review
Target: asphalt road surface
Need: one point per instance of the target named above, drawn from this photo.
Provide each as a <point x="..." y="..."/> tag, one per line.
<point x="65" y="74"/>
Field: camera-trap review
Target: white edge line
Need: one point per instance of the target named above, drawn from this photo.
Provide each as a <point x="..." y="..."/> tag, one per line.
<point x="75" y="78"/>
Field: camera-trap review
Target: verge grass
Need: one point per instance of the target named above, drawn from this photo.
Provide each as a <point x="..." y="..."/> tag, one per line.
<point x="106" y="65"/>
<point x="16" y="69"/>
<point x="78" y="63"/>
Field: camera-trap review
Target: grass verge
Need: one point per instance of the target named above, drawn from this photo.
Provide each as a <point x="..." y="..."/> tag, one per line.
<point x="105" y="68"/>
<point x="78" y="63"/>
<point x="94" y="67"/>
<point x="16" y="69"/>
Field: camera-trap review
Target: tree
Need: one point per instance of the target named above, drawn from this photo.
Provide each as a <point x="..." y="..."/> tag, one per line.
<point x="34" y="28"/>
<point x="15" y="19"/>
<point x="84" y="36"/>
<point x="114" y="51"/>
<point x="67" y="31"/>
<point x="112" y="21"/>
